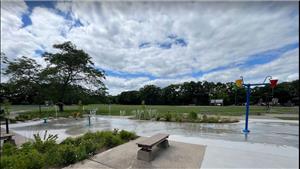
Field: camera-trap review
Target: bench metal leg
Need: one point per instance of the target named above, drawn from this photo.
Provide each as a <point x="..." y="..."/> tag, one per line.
<point x="164" y="144"/>
<point x="145" y="155"/>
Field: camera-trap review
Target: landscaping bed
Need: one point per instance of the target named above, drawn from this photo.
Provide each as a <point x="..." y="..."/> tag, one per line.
<point x="48" y="114"/>
<point x="44" y="152"/>
<point x="182" y="117"/>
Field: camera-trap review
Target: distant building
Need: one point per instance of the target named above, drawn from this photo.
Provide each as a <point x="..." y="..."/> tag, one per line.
<point x="216" y="102"/>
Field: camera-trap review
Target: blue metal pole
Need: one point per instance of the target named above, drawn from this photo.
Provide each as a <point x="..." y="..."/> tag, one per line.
<point x="246" y="131"/>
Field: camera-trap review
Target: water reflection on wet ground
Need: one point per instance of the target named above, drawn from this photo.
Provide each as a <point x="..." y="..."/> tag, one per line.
<point x="270" y="132"/>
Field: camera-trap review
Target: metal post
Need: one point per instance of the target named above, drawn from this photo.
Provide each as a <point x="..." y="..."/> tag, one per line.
<point x="247" y="109"/>
<point x="89" y="116"/>
<point x="6" y="125"/>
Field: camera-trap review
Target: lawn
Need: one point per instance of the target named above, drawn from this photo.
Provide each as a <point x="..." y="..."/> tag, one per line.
<point x="104" y="109"/>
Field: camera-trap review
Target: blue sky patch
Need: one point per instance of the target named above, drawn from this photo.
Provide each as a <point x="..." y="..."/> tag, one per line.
<point x="180" y="42"/>
<point x="144" y="45"/>
<point x="269" y="55"/>
<point x="39" y="52"/>
<point x="26" y="20"/>
<point x="165" y="45"/>
<point x="46" y="4"/>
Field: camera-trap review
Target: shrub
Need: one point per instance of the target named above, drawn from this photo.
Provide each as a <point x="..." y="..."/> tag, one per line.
<point x="7" y="161"/>
<point x="42" y="145"/>
<point x="68" y="154"/>
<point x="125" y="135"/>
<point x="112" y="141"/>
<point x="53" y="157"/>
<point x="168" y="116"/>
<point x="89" y="146"/>
<point x="30" y="160"/>
<point x="46" y="153"/>
<point x="8" y="149"/>
<point x="204" y="117"/>
<point x="193" y="116"/>
<point x="158" y="116"/>
<point x="178" y="117"/>
<point x="68" y="140"/>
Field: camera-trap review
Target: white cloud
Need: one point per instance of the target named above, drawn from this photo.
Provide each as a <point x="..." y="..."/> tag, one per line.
<point x="217" y="35"/>
<point x="284" y="68"/>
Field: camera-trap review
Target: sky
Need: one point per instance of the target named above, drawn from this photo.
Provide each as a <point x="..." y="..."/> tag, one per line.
<point x="161" y="43"/>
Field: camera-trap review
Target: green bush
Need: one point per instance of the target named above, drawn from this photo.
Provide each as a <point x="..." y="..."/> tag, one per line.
<point x="53" y="157"/>
<point x="112" y="141"/>
<point x="168" y="116"/>
<point x="68" y="154"/>
<point x="204" y="117"/>
<point x="30" y="160"/>
<point x="178" y="117"/>
<point x="8" y="149"/>
<point x="125" y="135"/>
<point x="193" y="116"/>
<point x="7" y="161"/>
<point x="81" y="152"/>
<point x="46" y="153"/>
<point x="89" y="145"/>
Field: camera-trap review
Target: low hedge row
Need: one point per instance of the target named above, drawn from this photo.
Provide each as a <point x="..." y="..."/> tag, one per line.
<point x="46" y="114"/>
<point x="46" y="153"/>
<point x="184" y="117"/>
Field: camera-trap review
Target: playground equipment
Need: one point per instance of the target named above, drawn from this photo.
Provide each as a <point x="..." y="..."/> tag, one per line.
<point x="240" y="83"/>
<point x="92" y="114"/>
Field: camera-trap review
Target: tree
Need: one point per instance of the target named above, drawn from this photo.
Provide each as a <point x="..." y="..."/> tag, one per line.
<point x="71" y="66"/>
<point x="130" y="97"/>
<point x="25" y="78"/>
<point x="151" y="94"/>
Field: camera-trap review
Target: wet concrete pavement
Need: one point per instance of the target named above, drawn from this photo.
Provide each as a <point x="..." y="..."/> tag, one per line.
<point x="278" y="132"/>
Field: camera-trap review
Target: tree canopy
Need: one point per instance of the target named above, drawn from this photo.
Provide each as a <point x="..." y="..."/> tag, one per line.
<point x="200" y="93"/>
<point x="70" y="75"/>
<point x="67" y="71"/>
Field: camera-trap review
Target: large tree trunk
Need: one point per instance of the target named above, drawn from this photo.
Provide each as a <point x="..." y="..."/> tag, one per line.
<point x="60" y="106"/>
<point x="61" y="100"/>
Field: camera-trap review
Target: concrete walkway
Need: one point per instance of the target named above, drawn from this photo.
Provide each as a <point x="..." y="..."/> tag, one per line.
<point x="229" y="154"/>
<point x="19" y="139"/>
<point x="178" y="155"/>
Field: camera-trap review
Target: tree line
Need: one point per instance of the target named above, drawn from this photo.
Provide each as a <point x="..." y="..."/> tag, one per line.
<point x="70" y="76"/>
<point x="200" y="93"/>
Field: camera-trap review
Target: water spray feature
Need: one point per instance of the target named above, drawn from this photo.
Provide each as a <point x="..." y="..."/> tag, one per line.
<point x="91" y="115"/>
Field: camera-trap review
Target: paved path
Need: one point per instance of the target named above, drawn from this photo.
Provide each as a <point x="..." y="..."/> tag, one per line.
<point x="19" y="139"/>
<point x="178" y="155"/>
<point x="229" y="154"/>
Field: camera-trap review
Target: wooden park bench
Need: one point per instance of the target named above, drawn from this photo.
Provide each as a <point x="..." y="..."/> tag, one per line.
<point x="146" y="153"/>
<point x="7" y="138"/>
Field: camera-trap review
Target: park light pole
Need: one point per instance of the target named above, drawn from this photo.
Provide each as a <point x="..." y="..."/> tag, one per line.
<point x="240" y="83"/>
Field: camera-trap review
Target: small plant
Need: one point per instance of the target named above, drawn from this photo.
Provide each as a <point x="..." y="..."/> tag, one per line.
<point x="43" y="144"/>
<point x="204" y="117"/>
<point x="125" y="135"/>
<point x="193" y="116"/>
<point x="80" y="106"/>
<point x="8" y="149"/>
<point x="178" y="117"/>
<point x="168" y="116"/>
<point x="112" y="141"/>
<point x="68" y="152"/>
<point x="157" y="116"/>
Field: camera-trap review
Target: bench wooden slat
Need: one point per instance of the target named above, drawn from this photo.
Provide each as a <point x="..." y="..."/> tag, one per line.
<point x="5" y="136"/>
<point x="151" y="141"/>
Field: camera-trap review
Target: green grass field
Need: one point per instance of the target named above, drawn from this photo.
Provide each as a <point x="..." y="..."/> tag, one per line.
<point x="210" y="110"/>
